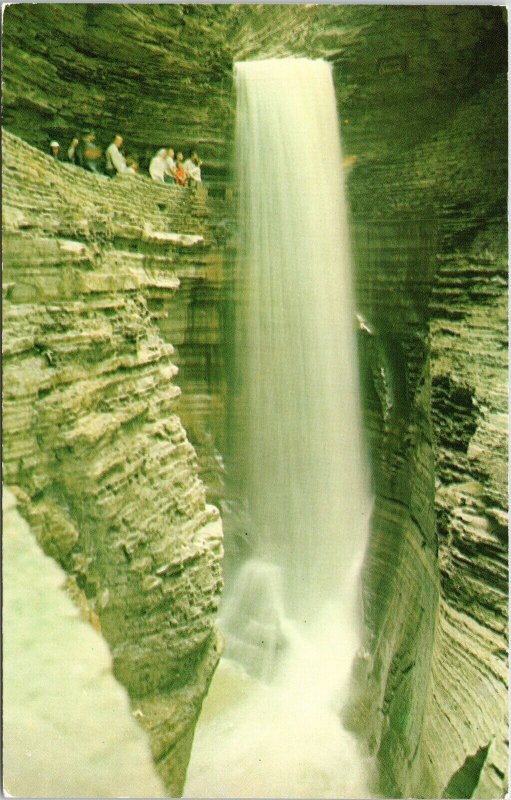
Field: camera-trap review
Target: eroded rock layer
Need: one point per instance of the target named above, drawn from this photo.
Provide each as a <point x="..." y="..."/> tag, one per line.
<point x="93" y="447"/>
<point x="432" y="275"/>
<point x="469" y="364"/>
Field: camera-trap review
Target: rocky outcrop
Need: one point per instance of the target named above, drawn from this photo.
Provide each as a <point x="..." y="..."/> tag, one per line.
<point x="93" y="447"/>
<point x="68" y="730"/>
<point x="469" y="401"/>
<point x="436" y="250"/>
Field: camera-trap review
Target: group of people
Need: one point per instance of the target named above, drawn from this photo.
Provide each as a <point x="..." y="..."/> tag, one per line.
<point x="167" y="167"/>
<point x="164" y="167"/>
<point x="83" y="151"/>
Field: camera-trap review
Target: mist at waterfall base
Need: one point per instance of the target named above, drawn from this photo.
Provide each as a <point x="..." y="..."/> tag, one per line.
<point x="271" y="725"/>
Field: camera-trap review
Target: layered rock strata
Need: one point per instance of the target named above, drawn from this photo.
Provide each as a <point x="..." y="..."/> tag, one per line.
<point x="401" y="586"/>
<point x="194" y="321"/>
<point x="93" y="448"/>
<point x="469" y="401"/>
<point x="434" y="232"/>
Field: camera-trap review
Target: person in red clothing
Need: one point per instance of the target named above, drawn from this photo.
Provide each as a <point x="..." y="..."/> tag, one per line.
<point x="180" y="175"/>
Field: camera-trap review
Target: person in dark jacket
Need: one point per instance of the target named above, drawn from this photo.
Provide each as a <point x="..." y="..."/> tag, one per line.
<point x="87" y="154"/>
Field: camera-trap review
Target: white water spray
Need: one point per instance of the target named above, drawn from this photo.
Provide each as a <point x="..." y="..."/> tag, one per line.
<point x="292" y="617"/>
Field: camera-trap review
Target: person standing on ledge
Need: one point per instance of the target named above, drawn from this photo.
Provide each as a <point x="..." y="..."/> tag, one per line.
<point x="71" y="153"/>
<point x="55" y="150"/>
<point x="171" y="164"/>
<point x="192" y="167"/>
<point x="115" y="161"/>
<point x="180" y="170"/>
<point x="158" y="167"/>
<point x="88" y="154"/>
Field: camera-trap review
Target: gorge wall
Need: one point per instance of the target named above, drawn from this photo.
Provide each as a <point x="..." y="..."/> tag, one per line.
<point x="93" y="449"/>
<point x="422" y="97"/>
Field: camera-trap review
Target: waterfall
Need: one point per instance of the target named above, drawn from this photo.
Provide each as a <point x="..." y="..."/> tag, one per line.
<point x="291" y="617"/>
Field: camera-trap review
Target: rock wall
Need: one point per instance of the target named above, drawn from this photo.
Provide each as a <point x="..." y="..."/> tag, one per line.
<point x="436" y="237"/>
<point x="68" y="730"/>
<point x="469" y="401"/>
<point x="93" y="448"/>
<point x="194" y="321"/>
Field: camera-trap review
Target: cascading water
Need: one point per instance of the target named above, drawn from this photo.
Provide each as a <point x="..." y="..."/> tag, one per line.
<point x="291" y="617"/>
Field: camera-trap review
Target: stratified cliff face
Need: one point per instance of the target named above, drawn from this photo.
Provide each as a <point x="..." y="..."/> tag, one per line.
<point x="469" y="404"/>
<point x="422" y="97"/>
<point x="93" y="447"/>
<point x="430" y="243"/>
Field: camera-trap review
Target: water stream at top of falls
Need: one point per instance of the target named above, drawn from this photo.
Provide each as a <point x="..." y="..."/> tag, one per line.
<point x="291" y="616"/>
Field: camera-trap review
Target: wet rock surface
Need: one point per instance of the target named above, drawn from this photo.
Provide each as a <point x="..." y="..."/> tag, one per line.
<point x="469" y="364"/>
<point x="92" y="444"/>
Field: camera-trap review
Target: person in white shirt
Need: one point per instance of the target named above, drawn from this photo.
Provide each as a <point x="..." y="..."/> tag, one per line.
<point x="55" y="150"/>
<point x="158" y="167"/>
<point x="171" y="164"/>
<point x="192" y="167"/>
<point x="115" y="161"/>
<point x="72" y="149"/>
